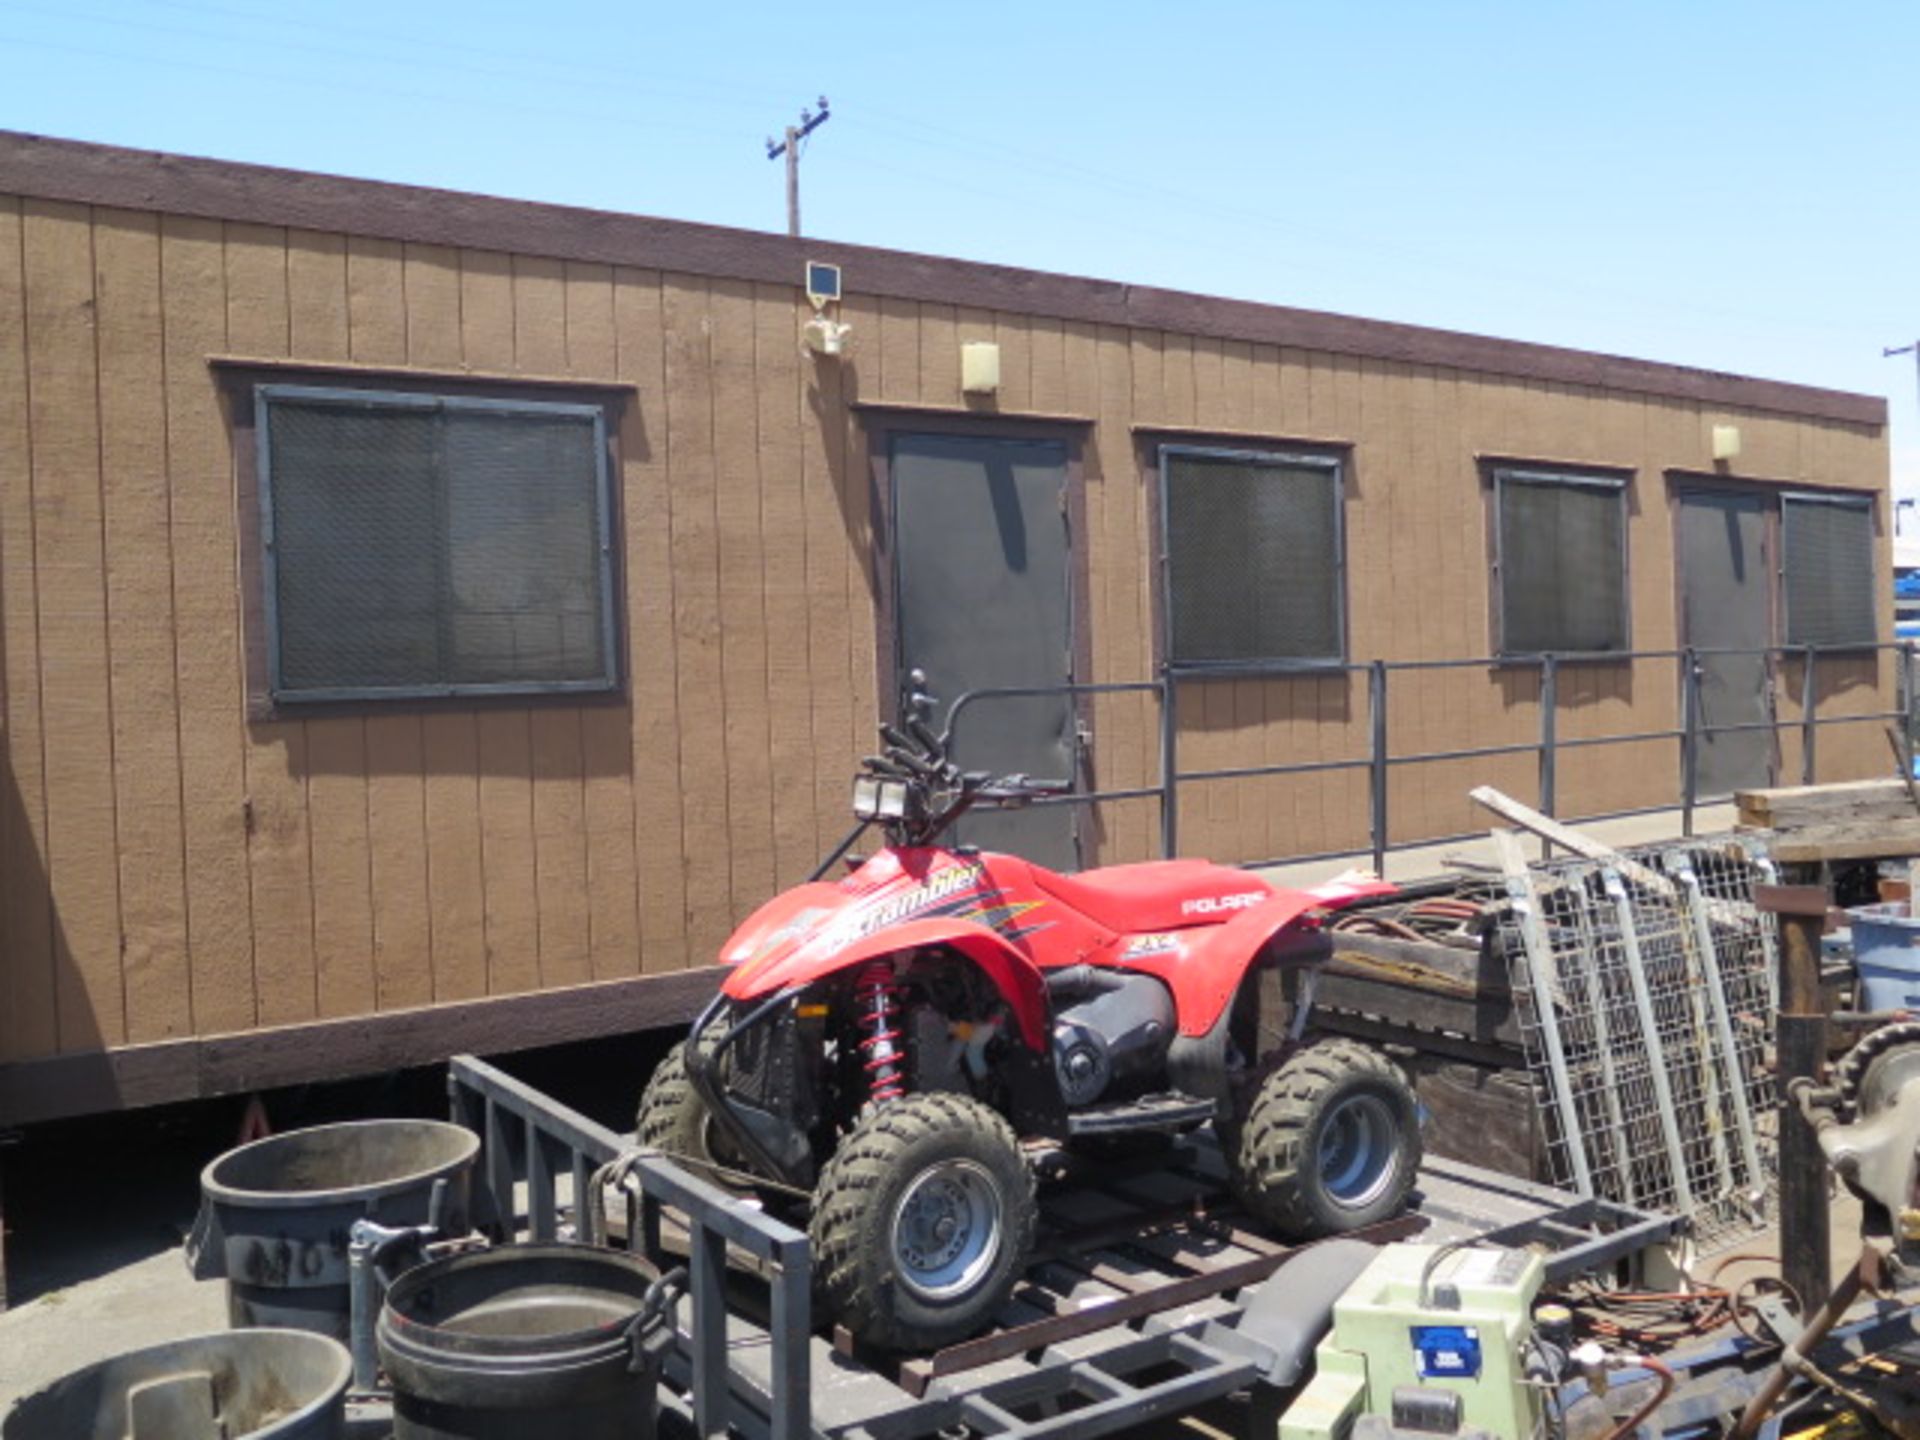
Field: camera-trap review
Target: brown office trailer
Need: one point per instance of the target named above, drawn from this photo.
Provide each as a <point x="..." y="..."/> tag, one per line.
<point x="214" y="883"/>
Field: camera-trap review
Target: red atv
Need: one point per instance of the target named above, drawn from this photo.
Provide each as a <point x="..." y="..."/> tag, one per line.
<point x="885" y="1043"/>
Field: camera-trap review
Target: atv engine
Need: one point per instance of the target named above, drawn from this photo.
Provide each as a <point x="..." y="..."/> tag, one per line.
<point x="1109" y="1027"/>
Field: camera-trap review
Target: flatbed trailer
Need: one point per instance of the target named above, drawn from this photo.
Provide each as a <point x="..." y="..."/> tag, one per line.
<point x="1128" y="1313"/>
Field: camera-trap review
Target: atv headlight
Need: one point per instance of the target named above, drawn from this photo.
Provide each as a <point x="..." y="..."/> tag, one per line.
<point x="878" y="799"/>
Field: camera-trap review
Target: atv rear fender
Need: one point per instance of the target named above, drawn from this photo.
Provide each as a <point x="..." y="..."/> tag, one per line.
<point x="1208" y="973"/>
<point x="1017" y="978"/>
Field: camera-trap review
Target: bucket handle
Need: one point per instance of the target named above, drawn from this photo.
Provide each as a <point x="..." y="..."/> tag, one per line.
<point x="206" y="1249"/>
<point x="651" y="1331"/>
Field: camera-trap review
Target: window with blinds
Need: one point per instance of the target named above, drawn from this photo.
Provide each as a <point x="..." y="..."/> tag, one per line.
<point x="420" y="545"/>
<point x="1828" y="570"/>
<point x="1560" y="568"/>
<point x="1256" y="570"/>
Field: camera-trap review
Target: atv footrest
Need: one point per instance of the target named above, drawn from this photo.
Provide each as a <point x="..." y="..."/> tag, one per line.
<point x="1149" y="1113"/>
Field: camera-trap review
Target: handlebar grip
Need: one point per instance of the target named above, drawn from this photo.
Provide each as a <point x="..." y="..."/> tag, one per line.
<point x="914" y="763"/>
<point x="924" y="734"/>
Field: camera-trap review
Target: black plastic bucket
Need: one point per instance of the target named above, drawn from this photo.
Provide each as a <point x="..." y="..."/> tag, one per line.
<point x="527" y="1342"/>
<point x="276" y="1215"/>
<point x="241" y="1384"/>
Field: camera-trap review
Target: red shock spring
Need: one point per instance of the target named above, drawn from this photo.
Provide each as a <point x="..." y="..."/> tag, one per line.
<point x="876" y="998"/>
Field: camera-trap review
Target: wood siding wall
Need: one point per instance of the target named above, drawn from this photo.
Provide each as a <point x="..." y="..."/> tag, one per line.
<point x="172" y="868"/>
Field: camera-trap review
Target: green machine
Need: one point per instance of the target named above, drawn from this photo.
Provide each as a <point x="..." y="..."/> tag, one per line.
<point x="1429" y="1338"/>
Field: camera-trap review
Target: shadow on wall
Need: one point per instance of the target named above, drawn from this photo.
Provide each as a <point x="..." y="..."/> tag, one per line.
<point x="854" y="475"/>
<point x="1833" y="677"/>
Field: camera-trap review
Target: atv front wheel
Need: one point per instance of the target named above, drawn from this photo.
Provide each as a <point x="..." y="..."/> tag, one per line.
<point x="922" y="1221"/>
<point x="672" y="1115"/>
<point x="1330" y="1143"/>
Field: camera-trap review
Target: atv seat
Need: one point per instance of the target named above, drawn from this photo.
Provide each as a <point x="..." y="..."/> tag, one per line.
<point x="1155" y="895"/>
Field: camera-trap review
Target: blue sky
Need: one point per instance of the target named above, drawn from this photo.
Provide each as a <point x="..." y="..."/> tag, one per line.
<point x="1726" y="185"/>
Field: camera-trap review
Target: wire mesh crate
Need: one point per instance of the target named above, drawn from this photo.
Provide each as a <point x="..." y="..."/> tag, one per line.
<point x="1644" y="989"/>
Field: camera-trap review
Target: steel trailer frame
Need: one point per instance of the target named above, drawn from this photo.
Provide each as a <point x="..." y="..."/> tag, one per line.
<point x="1109" y="1328"/>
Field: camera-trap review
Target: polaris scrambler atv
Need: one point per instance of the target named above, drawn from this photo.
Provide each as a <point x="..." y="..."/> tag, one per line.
<point x="885" y="1043"/>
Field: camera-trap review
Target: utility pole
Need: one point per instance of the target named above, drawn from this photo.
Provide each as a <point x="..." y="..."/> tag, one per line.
<point x="1888" y="352"/>
<point x="790" y="147"/>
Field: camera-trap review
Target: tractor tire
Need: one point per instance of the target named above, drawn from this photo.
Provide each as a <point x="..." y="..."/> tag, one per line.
<point x="672" y="1116"/>
<point x="1331" y="1142"/>
<point x="922" y="1221"/>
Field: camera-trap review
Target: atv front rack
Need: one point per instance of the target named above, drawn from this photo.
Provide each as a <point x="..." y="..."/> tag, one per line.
<point x="1136" y="1268"/>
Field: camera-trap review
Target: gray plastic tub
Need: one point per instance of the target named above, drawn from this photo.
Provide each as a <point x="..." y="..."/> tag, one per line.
<point x="275" y="1215"/>
<point x="527" y="1342"/>
<point x="240" y="1384"/>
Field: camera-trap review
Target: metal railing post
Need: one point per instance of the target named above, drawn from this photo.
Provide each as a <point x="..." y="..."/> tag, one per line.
<point x="1549" y="723"/>
<point x="1689" y="737"/>
<point x="1169" y="771"/>
<point x="1808" y="727"/>
<point x="1906" y="704"/>
<point x="1377" y="761"/>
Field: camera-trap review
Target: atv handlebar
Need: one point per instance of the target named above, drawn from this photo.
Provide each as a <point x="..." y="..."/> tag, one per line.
<point x="938" y="792"/>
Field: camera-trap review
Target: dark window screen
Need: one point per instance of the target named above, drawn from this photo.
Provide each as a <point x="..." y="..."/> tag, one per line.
<point x="1563" y="564"/>
<point x="424" y="546"/>
<point x="1829" y="571"/>
<point x="1254" y="558"/>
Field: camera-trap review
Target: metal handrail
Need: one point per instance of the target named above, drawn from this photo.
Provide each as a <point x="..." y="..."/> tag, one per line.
<point x="1380" y="761"/>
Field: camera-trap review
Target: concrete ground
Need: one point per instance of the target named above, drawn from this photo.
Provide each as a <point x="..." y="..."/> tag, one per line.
<point x="98" y="1210"/>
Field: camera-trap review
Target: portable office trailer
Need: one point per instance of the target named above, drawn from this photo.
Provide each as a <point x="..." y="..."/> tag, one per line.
<point x="431" y="621"/>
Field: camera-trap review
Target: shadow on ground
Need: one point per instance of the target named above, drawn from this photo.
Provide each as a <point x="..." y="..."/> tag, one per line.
<point x="86" y="1197"/>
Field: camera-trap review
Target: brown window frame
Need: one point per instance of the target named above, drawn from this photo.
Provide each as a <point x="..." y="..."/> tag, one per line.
<point x="1538" y="472"/>
<point x="239" y="379"/>
<point x="1335" y="457"/>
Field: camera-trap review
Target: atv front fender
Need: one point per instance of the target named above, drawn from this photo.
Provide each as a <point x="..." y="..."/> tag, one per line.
<point x="1206" y="972"/>
<point x="1017" y="978"/>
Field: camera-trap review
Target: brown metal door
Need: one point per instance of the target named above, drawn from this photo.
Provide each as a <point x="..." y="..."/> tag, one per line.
<point x="1726" y="604"/>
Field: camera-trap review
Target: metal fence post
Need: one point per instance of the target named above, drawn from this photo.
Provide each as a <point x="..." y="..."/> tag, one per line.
<point x="1549" y="724"/>
<point x="1377" y="761"/>
<point x="1808" y="729"/>
<point x="1689" y="737"/>
<point x="1906" y="676"/>
<point x="1169" y="771"/>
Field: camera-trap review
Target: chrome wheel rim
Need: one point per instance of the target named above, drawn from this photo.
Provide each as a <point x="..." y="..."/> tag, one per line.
<point x="946" y="1230"/>
<point x="1356" y="1150"/>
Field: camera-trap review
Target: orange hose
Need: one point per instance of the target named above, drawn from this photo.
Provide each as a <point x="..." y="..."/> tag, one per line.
<point x="1632" y="1422"/>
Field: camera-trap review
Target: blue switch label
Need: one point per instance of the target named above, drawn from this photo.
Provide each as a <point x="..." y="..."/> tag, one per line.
<point x="1447" y="1352"/>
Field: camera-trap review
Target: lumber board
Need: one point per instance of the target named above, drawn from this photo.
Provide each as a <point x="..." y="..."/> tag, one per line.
<point x="1415" y="965"/>
<point x="1487" y="1019"/>
<point x="1878" y="840"/>
<point x="1793" y="807"/>
<point x="1565" y="836"/>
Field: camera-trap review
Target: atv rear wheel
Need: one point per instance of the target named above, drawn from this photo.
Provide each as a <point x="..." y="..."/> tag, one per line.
<point x="672" y="1115"/>
<point x="1330" y="1143"/>
<point x="922" y="1221"/>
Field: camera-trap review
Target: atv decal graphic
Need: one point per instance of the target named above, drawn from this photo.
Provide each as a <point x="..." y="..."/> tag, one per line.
<point x="1215" y="904"/>
<point x="1141" y="946"/>
<point x="938" y="894"/>
<point x="1001" y="915"/>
